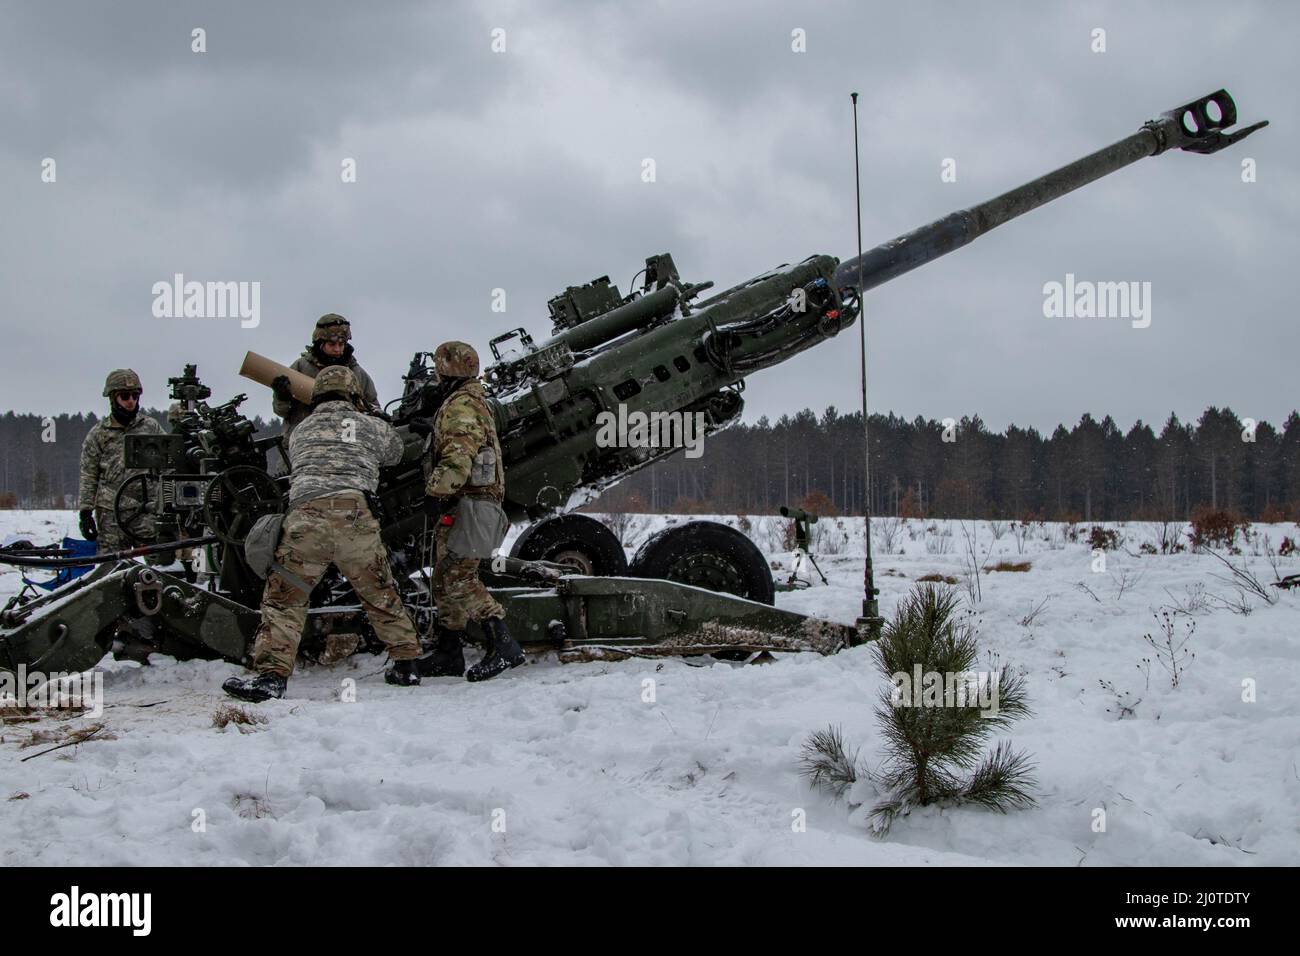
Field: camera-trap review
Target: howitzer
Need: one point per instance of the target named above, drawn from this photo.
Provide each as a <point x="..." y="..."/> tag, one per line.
<point x="660" y="356"/>
<point x="662" y="353"/>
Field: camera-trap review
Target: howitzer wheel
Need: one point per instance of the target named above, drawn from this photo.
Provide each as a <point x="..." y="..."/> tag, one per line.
<point x="132" y="508"/>
<point x="710" y="555"/>
<point x="236" y="498"/>
<point x="575" y="540"/>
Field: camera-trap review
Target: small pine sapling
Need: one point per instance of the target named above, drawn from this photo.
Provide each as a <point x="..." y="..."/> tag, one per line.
<point x="934" y="750"/>
<point x="826" y="764"/>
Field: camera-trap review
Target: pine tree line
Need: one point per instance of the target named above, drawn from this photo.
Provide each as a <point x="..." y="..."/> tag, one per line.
<point x="1092" y="471"/>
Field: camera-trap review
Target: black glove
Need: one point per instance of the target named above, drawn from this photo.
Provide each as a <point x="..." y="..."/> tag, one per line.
<point x="421" y="426"/>
<point x="280" y="385"/>
<point x="87" y="523"/>
<point x="435" y="507"/>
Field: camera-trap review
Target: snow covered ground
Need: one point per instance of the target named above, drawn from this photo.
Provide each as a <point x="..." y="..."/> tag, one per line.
<point x="569" y="764"/>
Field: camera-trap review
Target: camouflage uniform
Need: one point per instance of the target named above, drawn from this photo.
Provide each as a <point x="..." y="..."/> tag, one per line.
<point x="103" y="463"/>
<point x="466" y="463"/>
<point x="335" y="455"/>
<point x="329" y="327"/>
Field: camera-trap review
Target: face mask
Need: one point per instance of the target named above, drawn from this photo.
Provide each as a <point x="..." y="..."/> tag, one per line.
<point x="325" y="360"/>
<point x="124" y="417"/>
<point x="444" y="388"/>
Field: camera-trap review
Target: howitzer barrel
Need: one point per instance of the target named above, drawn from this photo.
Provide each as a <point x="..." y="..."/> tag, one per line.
<point x="1195" y="127"/>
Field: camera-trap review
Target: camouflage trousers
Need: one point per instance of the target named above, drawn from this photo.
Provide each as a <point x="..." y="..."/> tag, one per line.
<point x="339" y="530"/>
<point x="111" y="537"/>
<point x="457" y="590"/>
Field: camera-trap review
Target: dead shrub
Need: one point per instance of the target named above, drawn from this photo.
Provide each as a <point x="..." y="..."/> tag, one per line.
<point x="1276" y="514"/>
<point x="819" y="503"/>
<point x="241" y="717"/>
<point x="937" y="578"/>
<point x="1011" y="566"/>
<point x="789" y="539"/>
<point x="1215" y="527"/>
<point x="1102" y="539"/>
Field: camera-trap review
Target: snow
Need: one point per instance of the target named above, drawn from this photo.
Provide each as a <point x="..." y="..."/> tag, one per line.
<point x="572" y="764"/>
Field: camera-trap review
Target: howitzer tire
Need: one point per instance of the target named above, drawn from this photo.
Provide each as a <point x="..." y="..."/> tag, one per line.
<point x="582" y="543"/>
<point x="707" y="555"/>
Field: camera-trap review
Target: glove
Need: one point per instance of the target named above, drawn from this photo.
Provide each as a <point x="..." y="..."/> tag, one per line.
<point x="87" y="524"/>
<point x="435" y="507"/>
<point x="280" y="386"/>
<point x="420" y="426"/>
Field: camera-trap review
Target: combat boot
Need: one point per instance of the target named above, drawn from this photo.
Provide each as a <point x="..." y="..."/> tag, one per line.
<point x="402" y="674"/>
<point x="447" y="659"/>
<point x="503" y="652"/>
<point x="256" y="689"/>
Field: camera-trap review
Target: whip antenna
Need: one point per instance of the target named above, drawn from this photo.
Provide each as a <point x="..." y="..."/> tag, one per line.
<point x="870" y="618"/>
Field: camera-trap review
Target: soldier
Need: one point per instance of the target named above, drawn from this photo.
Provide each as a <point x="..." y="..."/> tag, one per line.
<point x="335" y="454"/>
<point x="330" y="346"/>
<point x="466" y="464"/>
<point x="103" y="460"/>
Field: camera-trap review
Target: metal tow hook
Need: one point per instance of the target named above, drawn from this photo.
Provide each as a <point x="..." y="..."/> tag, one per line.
<point x="148" y="592"/>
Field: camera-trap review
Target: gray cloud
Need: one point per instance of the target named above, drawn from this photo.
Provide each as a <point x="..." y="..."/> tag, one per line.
<point x="522" y="171"/>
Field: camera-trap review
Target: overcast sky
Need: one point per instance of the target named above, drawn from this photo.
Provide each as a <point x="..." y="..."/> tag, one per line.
<point x="522" y="170"/>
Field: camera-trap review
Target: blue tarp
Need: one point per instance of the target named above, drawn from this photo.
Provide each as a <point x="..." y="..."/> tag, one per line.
<point x="77" y="549"/>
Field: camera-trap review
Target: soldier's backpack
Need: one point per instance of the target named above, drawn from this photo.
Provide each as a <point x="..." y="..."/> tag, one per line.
<point x="477" y="529"/>
<point x="259" y="551"/>
<point x="260" y="545"/>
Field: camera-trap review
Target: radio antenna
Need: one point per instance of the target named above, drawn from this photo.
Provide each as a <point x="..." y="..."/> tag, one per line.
<point x="870" y="619"/>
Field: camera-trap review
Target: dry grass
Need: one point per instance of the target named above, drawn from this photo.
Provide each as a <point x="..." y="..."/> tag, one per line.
<point x="13" y="714"/>
<point x="241" y="717"/>
<point x="1010" y="566"/>
<point x="39" y="737"/>
<point x="65" y="736"/>
<point x="251" y="807"/>
<point x="937" y="578"/>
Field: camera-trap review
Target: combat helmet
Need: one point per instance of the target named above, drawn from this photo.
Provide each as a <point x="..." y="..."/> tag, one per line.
<point x="331" y="327"/>
<point x="121" y="380"/>
<point x="336" y="378"/>
<point x="455" y="360"/>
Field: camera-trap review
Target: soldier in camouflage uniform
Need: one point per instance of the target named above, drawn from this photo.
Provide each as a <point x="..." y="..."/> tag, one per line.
<point x="335" y="454"/>
<point x="103" y="460"/>
<point x="466" y="463"/>
<point x="330" y="347"/>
